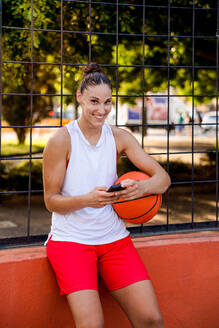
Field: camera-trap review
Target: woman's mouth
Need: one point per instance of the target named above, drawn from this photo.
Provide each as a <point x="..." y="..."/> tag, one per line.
<point x="99" y="117"/>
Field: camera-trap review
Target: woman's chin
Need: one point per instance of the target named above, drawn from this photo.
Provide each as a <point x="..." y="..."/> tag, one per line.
<point x="98" y="122"/>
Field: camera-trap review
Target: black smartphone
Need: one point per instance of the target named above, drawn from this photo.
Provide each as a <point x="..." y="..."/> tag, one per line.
<point x="116" y="187"/>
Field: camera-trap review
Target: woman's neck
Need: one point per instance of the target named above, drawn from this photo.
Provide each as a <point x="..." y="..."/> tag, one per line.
<point x="92" y="134"/>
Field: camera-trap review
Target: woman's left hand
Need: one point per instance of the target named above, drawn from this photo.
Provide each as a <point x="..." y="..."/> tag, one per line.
<point x="133" y="189"/>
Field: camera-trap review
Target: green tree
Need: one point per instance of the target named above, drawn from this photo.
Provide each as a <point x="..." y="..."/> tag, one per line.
<point x="181" y="54"/>
<point x="16" y="77"/>
<point x="80" y="48"/>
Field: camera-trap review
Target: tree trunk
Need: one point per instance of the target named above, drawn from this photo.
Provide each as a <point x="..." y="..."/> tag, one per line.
<point x="145" y="118"/>
<point x="76" y="108"/>
<point x="21" y="134"/>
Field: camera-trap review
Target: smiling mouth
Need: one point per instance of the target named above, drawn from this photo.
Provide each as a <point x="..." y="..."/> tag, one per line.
<point x="98" y="117"/>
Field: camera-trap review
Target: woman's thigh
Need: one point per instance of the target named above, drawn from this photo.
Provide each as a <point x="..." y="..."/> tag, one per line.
<point x="139" y="302"/>
<point x="120" y="265"/>
<point x="86" y="308"/>
<point x="75" y="265"/>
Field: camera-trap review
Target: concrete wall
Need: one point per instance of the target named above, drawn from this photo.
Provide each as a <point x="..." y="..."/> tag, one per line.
<point x="184" y="269"/>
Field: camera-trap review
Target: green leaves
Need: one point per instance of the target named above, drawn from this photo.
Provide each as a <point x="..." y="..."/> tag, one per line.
<point x="78" y="43"/>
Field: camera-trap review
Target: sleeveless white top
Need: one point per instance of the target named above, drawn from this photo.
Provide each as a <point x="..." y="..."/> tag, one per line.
<point x="89" y="167"/>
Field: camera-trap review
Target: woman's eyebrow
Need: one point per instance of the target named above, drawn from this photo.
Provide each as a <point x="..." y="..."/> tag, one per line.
<point x="93" y="97"/>
<point x="96" y="98"/>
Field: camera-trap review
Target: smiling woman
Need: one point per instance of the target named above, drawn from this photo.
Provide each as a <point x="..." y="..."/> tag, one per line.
<point x="79" y="165"/>
<point x="96" y="103"/>
<point x="95" y="97"/>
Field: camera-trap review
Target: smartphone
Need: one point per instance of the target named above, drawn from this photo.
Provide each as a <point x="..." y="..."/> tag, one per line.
<point x="116" y="187"/>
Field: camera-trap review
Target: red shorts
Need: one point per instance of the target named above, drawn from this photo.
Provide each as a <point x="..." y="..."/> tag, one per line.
<point x="77" y="265"/>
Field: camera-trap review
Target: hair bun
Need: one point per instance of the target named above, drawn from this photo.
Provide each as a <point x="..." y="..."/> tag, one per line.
<point x="91" y="68"/>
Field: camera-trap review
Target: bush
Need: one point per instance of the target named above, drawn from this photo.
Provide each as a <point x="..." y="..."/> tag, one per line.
<point x="178" y="171"/>
<point x="3" y="176"/>
<point x="18" y="176"/>
<point x="211" y="157"/>
<point x="124" y="166"/>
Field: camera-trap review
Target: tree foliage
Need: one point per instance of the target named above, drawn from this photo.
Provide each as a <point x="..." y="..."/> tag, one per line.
<point x="186" y="47"/>
<point x="16" y="77"/>
<point x="79" y="43"/>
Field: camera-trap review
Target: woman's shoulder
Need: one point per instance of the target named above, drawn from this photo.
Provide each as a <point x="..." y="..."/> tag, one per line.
<point x="59" y="140"/>
<point x="122" y="138"/>
<point x="120" y="132"/>
<point x="60" y="135"/>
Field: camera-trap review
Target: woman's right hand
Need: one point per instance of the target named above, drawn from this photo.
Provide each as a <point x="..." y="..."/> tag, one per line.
<point x="99" y="197"/>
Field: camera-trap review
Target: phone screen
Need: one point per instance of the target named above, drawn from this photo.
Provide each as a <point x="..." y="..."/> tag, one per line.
<point x="116" y="187"/>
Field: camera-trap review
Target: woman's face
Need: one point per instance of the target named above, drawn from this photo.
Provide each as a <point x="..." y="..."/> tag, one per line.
<point x="96" y="103"/>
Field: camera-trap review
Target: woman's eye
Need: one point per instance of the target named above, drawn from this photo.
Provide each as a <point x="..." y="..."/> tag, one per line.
<point x="94" y="101"/>
<point x="108" y="102"/>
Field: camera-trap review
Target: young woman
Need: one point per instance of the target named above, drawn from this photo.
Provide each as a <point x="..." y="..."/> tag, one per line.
<point x="87" y="237"/>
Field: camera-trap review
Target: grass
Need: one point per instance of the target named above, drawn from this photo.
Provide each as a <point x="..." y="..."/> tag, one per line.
<point x="13" y="148"/>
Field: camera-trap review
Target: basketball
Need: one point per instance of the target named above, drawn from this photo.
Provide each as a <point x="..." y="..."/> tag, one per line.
<point x="138" y="210"/>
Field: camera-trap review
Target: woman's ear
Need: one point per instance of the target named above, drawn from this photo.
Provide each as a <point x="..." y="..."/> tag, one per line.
<point x="78" y="96"/>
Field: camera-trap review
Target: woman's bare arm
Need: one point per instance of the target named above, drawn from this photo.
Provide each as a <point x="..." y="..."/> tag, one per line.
<point x="159" y="179"/>
<point x="55" y="156"/>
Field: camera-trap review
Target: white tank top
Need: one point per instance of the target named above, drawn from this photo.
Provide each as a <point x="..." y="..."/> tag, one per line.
<point x="89" y="167"/>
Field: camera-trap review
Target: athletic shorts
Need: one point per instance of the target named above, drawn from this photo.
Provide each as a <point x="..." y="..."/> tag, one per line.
<point x="77" y="265"/>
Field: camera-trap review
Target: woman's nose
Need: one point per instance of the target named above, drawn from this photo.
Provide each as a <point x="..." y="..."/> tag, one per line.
<point x="101" y="108"/>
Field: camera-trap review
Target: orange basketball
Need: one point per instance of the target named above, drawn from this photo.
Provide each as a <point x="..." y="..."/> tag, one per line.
<point x="138" y="210"/>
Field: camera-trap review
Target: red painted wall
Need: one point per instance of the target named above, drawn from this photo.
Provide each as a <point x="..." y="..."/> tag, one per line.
<point x="184" y="270"/>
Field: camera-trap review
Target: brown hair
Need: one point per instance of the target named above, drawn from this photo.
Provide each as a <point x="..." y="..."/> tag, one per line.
<point x="93" y="75"/>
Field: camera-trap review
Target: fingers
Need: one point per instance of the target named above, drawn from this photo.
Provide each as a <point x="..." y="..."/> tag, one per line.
<point x="104" y="198"/>
<point x="127" y="183"/>
<point x="132" y="191"/>
<point x="102" y="188"/>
